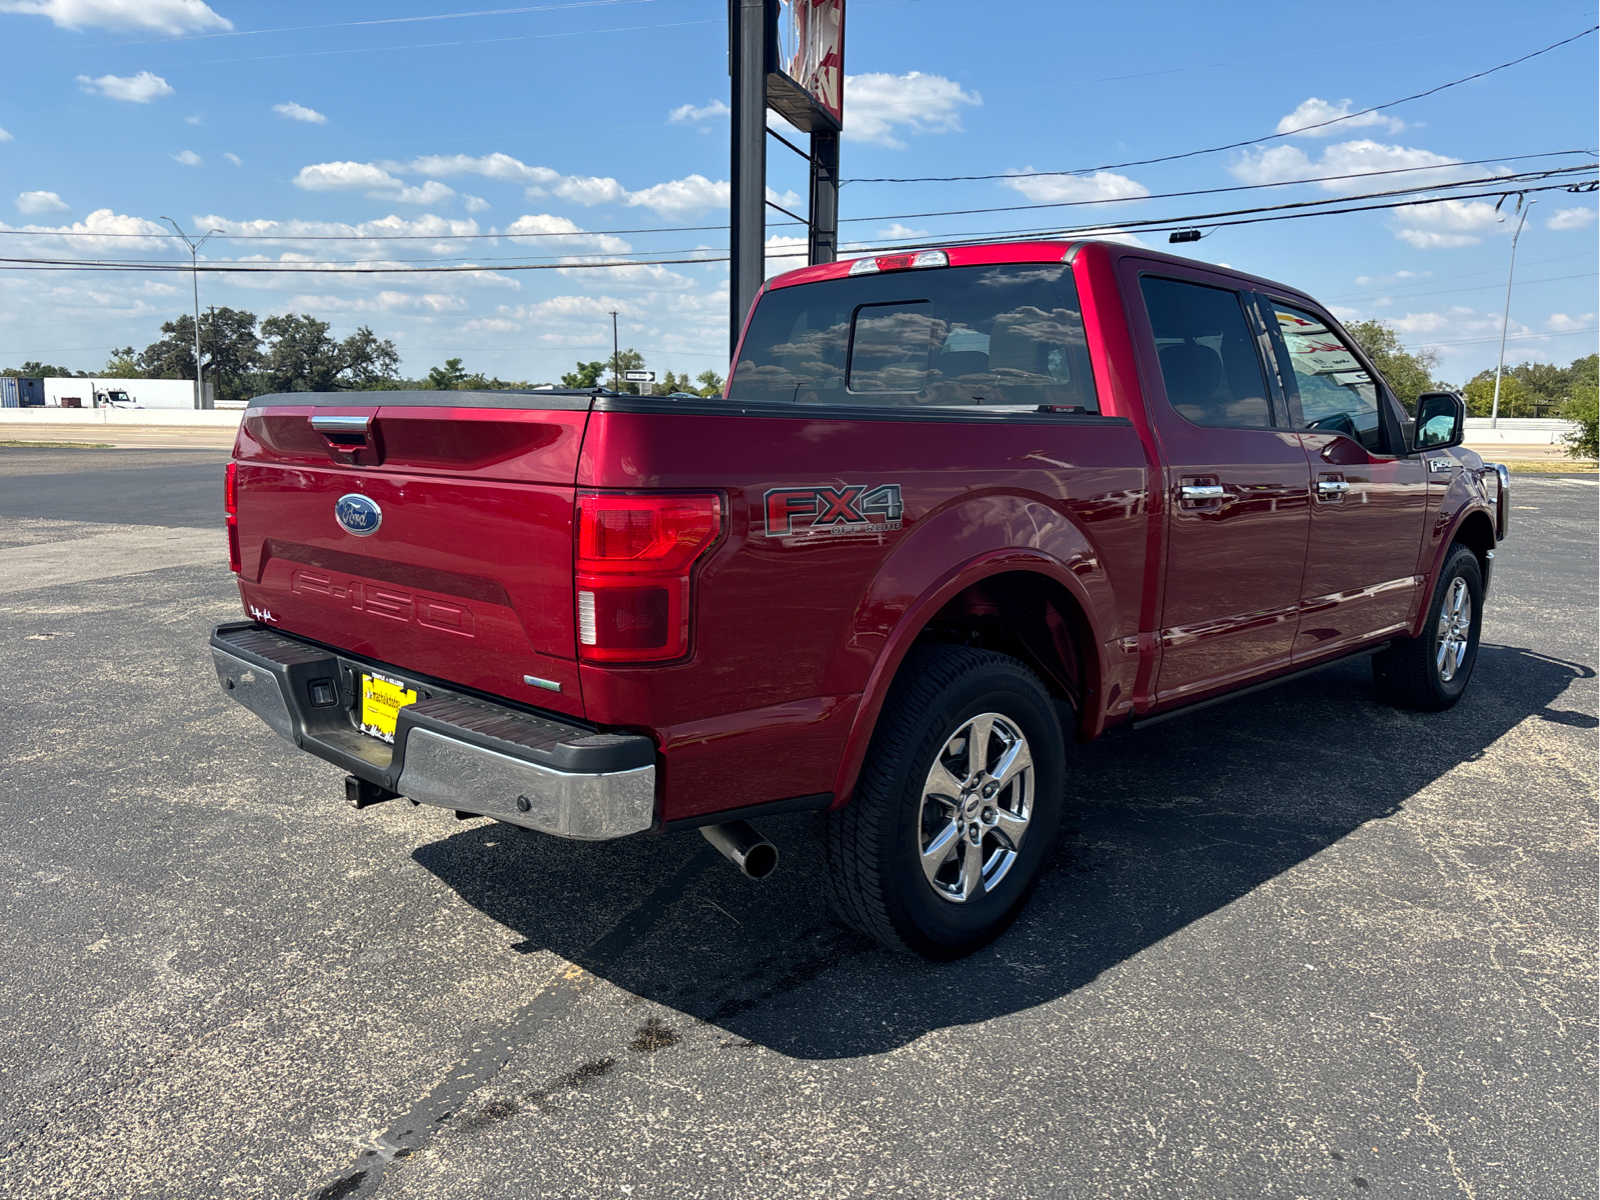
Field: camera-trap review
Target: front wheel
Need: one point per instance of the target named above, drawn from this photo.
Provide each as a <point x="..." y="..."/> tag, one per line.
<point x="1429" y="673"/>
<point x="956" y="807"/>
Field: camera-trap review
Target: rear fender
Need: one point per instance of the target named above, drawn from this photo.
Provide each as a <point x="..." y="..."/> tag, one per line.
<point x="985" y="535"/>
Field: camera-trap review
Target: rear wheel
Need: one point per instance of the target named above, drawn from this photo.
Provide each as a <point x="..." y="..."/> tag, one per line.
<point x="956" y="807"/>
<point x="1430" y="673"/>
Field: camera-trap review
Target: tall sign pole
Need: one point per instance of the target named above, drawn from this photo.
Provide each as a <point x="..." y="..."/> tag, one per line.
<point x="786" y="55"/>
<point x="747" y="62"/>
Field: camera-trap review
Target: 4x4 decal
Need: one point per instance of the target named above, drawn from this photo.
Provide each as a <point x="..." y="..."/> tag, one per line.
<point x="824" y="511"/>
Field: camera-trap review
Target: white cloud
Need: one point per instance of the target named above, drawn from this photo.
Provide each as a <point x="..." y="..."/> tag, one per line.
<point x="491" y="166"/>
<point x="1280" y="164"/>
<point x="233" y="158"/>
<point x="430" y="192"/>
<point x="880" y="107"/>
<point x="387" y="301"/>
<point x="338" y="176"/>
<point x="784" y="253"/>
<point x="37" y="203"/>
<point x="1314" y="111"/>
<point x="1570" y="218"/>
<point x="674" y="197"/>
<point x="544" y="228"/>
<point x="170" y="17"/>
<point x="692" y="193"/>
<point x="299" y="112"/>
<point x="5" y="135"/>
<point x="1058" y="189"/>
<point x="1385" y="280"/>
<point x="1562" y="323"/>
<point x="584" y="189"/>
<point x="1445" y="225"/>
<point x="655" y="279"/>
<point x="474" y="204"/>
<point x="900" y="233"/>
<point x="194" y="119"/>
<point x="129" y="233"/>
<point x="692" y="115"/>
<point x="134" y="89"/>
<point x="188" y="158"/>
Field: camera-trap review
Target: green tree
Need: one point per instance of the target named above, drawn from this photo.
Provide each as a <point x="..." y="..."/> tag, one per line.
<point x="447" y="378"/>
<point x="710" y="383"/>
<point x="1516" y="399"/>
<point x="1582" y="407"/>
<point x="229" y="346"/>
<point x="33" y="369"/>
<point x="123" y="364"/>
<point x="369" y="361"/>
<point x="301" y="357"/>
<point x="586" y="376"/>
<point x="1409" y="374"/>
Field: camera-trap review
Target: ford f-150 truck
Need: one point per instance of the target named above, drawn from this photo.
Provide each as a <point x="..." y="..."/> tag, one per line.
<point x="955" y="510"/>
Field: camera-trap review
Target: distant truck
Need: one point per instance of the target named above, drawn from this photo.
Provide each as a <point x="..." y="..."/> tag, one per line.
<point x="955" y="510"/>
<point x="89" y="391"/>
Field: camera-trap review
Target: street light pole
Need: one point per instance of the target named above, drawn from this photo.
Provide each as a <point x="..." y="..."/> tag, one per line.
<point x="1505" y="318"/>
<point x="194" y="272"/>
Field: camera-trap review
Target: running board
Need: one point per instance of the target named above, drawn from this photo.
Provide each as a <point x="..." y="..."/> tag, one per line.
<point x="1183" y="710"/>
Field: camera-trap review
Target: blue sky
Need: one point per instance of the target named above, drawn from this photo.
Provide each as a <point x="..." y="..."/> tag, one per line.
<point x="574" y="116"/>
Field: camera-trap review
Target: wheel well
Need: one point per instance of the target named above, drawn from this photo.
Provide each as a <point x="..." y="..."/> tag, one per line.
<point x="1477" y="534"/>
<point x="1030" y="617"/>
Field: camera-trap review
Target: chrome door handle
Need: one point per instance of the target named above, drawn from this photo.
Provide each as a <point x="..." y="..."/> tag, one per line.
<point x="1202" y="491"/>
<point x="1329" y="488"/>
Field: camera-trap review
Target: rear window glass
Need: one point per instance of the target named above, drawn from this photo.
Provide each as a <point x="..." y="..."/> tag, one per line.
<point x="1009" y="335"/>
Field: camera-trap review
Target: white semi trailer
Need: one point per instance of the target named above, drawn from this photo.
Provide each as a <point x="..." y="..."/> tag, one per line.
<point x="101" y="392"/>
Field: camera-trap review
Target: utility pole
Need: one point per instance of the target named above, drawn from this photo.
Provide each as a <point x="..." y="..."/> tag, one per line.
<point x="616" y="355"/>
<point x="1505" y="317"/>
<point x="194" y="271"/>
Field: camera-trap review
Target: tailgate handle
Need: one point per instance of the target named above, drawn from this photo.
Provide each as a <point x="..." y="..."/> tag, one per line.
<point x="347" y="434"/>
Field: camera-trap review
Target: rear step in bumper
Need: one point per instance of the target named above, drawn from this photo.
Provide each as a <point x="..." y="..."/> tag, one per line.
<point x="450" y="750"/>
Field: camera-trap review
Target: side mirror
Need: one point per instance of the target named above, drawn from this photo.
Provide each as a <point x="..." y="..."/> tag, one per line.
<point x="1441" y="421"/>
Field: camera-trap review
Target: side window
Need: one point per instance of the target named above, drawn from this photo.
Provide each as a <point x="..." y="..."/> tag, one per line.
<point x="1336" y="394"/>
<point x="1209" y="360"/>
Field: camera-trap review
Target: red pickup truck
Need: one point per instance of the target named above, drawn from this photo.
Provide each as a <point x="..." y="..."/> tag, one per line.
<point x="955" y="510"/>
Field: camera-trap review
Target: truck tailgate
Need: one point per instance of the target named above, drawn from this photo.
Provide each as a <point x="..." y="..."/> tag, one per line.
<point x="453" y="561"/>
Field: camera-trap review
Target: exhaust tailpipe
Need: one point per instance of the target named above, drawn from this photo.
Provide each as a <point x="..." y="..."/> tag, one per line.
<point x="743" y="847"/>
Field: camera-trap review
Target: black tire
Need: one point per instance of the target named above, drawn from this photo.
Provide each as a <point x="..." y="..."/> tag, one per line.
<point x="1408" y="674"/>
<point x="875" y="878"/>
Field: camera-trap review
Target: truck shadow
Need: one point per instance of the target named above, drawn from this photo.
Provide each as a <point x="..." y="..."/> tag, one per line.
<point x="1164" y="826"/>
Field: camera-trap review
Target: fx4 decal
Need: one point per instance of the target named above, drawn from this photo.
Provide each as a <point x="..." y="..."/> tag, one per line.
<point x="832" y="511"/>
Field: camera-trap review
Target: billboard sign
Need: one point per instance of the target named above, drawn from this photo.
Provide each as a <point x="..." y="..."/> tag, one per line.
<point x="805" y="62"/>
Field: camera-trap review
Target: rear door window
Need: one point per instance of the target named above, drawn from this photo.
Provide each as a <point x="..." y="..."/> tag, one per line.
<point x="1008" y="336"/>
<point x="1209" y="361"/>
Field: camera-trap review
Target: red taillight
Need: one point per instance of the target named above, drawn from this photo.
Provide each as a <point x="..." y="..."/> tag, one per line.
<point x="230" y="506"/>
<point x="634" y="561"/>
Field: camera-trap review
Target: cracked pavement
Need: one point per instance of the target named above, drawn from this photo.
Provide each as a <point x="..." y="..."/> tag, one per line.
<point x="1300" y="945"/>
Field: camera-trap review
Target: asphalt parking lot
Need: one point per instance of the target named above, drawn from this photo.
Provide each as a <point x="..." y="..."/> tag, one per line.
<point x="1300" y="945"/>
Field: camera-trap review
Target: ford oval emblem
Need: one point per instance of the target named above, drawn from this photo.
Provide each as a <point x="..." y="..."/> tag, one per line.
<point x="357" y="515"/>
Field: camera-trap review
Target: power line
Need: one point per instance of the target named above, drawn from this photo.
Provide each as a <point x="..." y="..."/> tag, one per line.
<point x="1304" y="209"/>
<point x="1478" y="287"/>
<point x="1513" y="337"/>
<point x="905" y="216"/>
<point x="1270" y="137"/>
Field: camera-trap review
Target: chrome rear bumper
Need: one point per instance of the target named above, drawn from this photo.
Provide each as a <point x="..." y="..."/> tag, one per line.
<point x="450" y="750"/>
